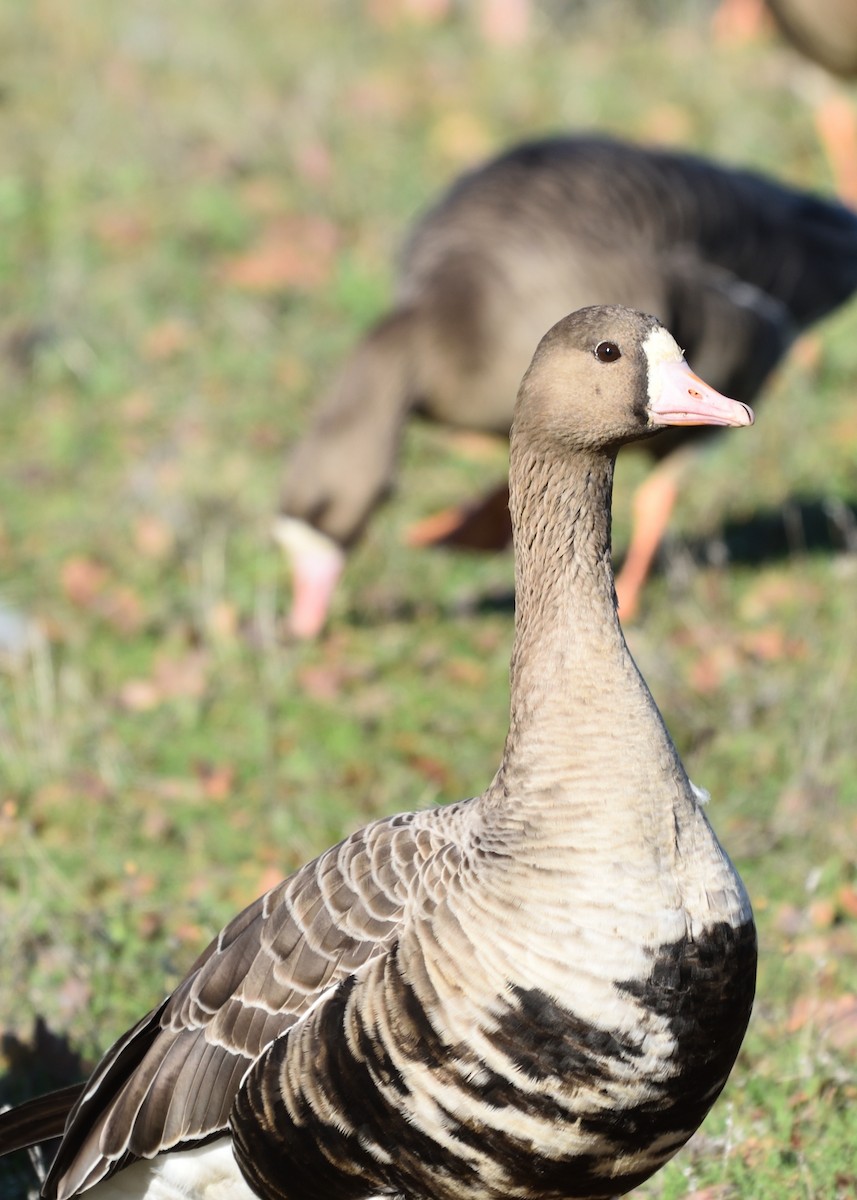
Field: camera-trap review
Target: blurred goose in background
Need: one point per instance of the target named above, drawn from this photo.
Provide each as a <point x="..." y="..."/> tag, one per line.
<point x="825" y="32"/>
<point x="734" y="263"/>
<point x="538" y="992"/>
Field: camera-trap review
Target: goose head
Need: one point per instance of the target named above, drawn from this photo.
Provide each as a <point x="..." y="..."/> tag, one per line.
<point x="607" y="375"/>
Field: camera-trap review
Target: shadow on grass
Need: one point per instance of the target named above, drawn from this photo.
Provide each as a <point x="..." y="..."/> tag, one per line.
<point x="801" y="526"/>
<point x="44" y="1064"/>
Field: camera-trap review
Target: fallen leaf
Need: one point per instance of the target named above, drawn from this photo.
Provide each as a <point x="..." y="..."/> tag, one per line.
<point x="667" y="124"/>
<point x="221" y="621"/>
<point x="153" y="537"/>
<point x="136" y="406"/>
<point x="314" y="162"/>
<point x="709" y="670"/>
<point x="834" y="1019"/>
<point x="83" y="579"/>
<point x="295" y="251"/>
<point x="479" y="447"/>
<point x="322" y="681"/>
<point x="217" y="780"/>
<point x="182" y="676"/>
<point x="461" y="138"/>
<point x="122" y="608"/>
<point x="822" y="913"/>
<point x="173" y="677"/>
<point x="262" y="195"/>
<point x="466" y="671"/>
<point x="269" y="878"/>
<point x="121" y="228"/>
<point x="504" y="22"/>
<point x="167" y="339"/>
<point x="432" y="769"/>
<point x="139" y="695"/>
<point x="846" y="898"/>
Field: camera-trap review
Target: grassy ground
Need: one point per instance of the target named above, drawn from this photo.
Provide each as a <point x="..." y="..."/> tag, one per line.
<point x="199" y="204"/>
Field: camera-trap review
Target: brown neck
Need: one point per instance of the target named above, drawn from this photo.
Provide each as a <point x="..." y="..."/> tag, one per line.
<point x="579" y="707"/>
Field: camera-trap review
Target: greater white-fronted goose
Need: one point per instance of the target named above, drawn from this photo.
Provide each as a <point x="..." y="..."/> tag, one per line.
<point x="735" y="264"/>
<point x="538" y="992"/>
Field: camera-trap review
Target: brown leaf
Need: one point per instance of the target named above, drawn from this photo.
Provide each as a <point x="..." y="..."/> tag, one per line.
<point x="822" y="913"/>
<point x="185" y="676"/>
<point x="292" y="252"/>
<point x="153" y="537"/>
<point x="262" y="195"/>
<point x="771" y="645"/>
<point x="323" y="681"/>
<point x="122" y="228"/>
<point x="834" y="1019"/>
<point x="667" y="124"/>
<point x="217" y="780"/>
<point x="269" y="878"/>
<point x="314" y="162"/>
<point x="504" y="22"/>
<point x="709" y="670"/>
<point x="139" y="695"/>
<point x="461" y="138"/>
<point x="465" y="671"/>
<point x="221" y="621"/>
<point x="167" y="339"/>
<point x="123" y="609"/>
<point x="846" y="898"/>
<point x="432" y="769"/>
<point x="83" y="579"/>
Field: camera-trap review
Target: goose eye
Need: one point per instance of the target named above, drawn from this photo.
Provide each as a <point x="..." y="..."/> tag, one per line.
<point x="607" y="352"/>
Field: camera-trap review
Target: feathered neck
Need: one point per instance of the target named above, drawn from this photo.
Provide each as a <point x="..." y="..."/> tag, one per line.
<point x="580" y="710"/>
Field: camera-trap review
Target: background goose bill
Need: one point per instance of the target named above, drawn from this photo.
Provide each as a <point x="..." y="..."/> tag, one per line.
<point x="682" y="398"/>
<point x="316" y="563"/>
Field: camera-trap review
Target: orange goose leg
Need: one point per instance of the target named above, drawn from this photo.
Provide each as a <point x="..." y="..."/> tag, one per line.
<point x="738" y="21"/>
<point x="653" y="504"/>
<point x="836" y="123"/>
<point x="482" y="525"/>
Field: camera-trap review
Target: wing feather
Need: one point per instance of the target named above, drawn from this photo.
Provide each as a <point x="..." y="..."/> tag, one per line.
<point x="173" y="1078"/>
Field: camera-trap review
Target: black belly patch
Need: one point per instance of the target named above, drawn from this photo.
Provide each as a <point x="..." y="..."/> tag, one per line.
<point x="703" y="992"/>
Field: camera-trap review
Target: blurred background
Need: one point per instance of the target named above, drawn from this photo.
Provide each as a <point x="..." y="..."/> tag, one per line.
<point x="200" y="208"/>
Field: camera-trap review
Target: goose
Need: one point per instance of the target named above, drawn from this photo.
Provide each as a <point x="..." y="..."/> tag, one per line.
<point x="538" y="992"/>
<point x="733" y="263"/>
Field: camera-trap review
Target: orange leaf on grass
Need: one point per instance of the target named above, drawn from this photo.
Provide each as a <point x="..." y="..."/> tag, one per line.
<point x="217" y="779"/>
<point x="122" y="608"/>
<point x="221" y="621"/>
<point x="181" y="677"/>
<point x="294" y="251"/>
<point x="83" y="580"/>
<point x="121" y="228"/>
<point x="846" y="898"/>
<point x="153" y="537"/>
<point x="322" y="681"/>
<point x="313" y="161"/>
<point x="834" y="1019"/>
<point x="167" y="339"/>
